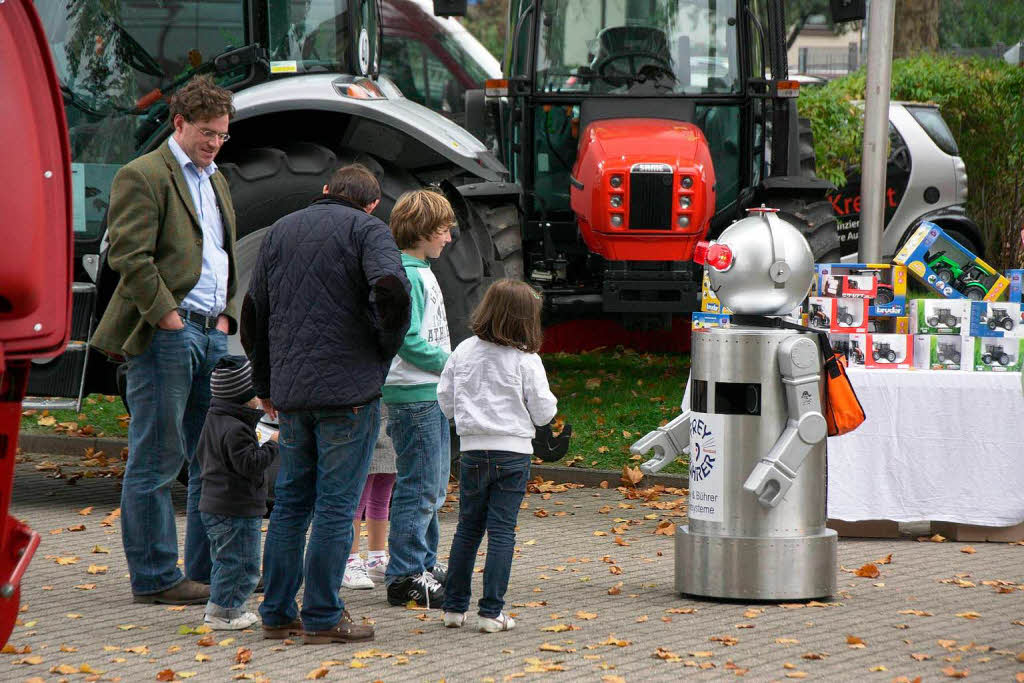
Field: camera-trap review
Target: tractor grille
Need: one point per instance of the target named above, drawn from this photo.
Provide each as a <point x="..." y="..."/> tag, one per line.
<point x="650" y="197"/>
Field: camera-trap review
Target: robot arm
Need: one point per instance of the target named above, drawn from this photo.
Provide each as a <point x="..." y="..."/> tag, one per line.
<point x="667" y="442"/>
<point x="800" y="366"/>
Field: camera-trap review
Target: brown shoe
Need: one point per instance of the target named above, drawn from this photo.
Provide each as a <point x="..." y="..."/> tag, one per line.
<point x="283" y="631"/>
<point x="187" y="592"/>
<point x="345" y="631"/>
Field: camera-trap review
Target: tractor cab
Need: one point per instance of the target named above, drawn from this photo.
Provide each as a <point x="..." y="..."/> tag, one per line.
<point x="636" y="129"/>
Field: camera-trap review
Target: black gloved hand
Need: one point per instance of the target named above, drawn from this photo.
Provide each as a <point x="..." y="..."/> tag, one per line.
<point x="549" y="447"/>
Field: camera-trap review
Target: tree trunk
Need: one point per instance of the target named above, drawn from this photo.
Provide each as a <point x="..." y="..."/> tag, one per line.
<point x="917" y="27"/>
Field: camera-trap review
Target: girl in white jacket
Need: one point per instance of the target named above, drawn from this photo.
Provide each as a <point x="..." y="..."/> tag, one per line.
<point x="495" y="387"/>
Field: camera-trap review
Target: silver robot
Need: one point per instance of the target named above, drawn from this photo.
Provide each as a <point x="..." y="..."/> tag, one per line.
<point x="753" y="428"/>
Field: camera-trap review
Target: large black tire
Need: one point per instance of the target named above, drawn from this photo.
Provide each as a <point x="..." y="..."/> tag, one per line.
<point x="808" y="159"/>
<point x="815" y="220"/>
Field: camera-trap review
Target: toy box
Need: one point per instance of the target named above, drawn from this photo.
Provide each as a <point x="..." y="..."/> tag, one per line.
<point x="1016" y="278"/>
<point x="883" y="351"/>
<point x="943" y="352"/>
<point x="938" y="316"/>
<point x="703" y="321"/>
<point x="837" y="315"/>
<point x="995" y="354"/>
<point x="709" y="303"/>
<point x="946" y="266"/>
<point x="995" y="319"/>
<point x="883" y="285"/>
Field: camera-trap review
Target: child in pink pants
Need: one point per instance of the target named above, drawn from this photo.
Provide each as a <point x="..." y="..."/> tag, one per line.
<point x="375" y="502"/>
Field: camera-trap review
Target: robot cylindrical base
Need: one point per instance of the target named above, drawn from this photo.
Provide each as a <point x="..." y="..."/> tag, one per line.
<point x="800" y="568"/>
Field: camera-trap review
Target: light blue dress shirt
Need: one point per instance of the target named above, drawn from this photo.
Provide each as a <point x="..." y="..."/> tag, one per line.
<point x="209" y="296"/>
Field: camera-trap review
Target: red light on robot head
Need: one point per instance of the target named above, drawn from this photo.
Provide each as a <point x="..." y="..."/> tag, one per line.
<point x="717" y="256"/>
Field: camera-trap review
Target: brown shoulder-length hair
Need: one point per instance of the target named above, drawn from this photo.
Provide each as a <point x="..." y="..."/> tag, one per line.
<point x="509" y="315"/>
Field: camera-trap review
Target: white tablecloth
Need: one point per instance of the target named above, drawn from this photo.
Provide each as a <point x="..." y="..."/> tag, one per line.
<point x="936" y="446"/>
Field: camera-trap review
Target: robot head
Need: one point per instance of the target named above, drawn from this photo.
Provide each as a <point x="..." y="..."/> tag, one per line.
<point x="760" y="265"/>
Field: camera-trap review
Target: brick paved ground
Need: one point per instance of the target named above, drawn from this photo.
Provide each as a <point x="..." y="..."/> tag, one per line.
<point x="558" y="579"/>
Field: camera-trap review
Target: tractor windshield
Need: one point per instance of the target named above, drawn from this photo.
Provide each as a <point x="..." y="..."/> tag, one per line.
<point x="606" y="46"/>
<point x="111" y="57"/>
<point x="313" y="36"/>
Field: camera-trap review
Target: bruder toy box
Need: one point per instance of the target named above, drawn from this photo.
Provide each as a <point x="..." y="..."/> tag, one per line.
<point x="942" y="263"/>
<point x="882" y="351"/>
<point x="883" y="285"/>
<point x="943" y="352"/>
<point x="994" y="354"/>
<point x="837" y="315"/>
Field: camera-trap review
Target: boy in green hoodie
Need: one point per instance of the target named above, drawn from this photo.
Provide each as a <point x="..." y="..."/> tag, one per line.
<point x="421" y="222"/>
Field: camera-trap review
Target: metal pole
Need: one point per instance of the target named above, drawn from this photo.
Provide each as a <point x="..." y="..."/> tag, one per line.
<point x="881" y="16"/>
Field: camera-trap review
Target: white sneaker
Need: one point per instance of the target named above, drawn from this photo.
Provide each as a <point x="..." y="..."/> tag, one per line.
<point x="244" y="620"/>
<point x="355" y="575"/>
<point x="502" y="622"/>
<point x="454" y="619"/>
<point x="376" y="568"/>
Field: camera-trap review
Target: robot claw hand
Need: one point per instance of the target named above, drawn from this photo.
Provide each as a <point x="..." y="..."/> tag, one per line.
<point x="769" y="483"/>
<point x="668" y="443"/>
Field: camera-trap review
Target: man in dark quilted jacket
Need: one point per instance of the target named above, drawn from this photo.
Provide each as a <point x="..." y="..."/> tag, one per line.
<point x="326" y="311"/>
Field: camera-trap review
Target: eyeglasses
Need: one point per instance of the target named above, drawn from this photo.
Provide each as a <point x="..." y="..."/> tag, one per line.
<point x="210" y="134"/>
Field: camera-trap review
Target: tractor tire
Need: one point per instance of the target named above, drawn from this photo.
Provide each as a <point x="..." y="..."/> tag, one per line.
<point x="992" y="324"/>
<point x="950" y="322"/>
<point x="956" y="358"/>
<point x="933" y="322"/>
<point x="846" y="320"/>
<point x="944" y="274"/>
<point x="987" y="359"/>
<point x="1004" y="359"/>
<point x="816" y="221"/>
<point x="1007" y="324"/>
<point x="808" y="158"/>
<point x="975" y="294"/>
<point x="876" y="355"/>
<point x="891" y="355"/>
<point x="884" y="297"/>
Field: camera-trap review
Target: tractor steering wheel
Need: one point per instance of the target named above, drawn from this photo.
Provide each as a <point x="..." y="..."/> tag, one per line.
<point x="601" y="68"/>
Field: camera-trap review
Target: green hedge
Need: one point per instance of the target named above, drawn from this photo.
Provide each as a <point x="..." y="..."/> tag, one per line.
<point x="982" y="101"/>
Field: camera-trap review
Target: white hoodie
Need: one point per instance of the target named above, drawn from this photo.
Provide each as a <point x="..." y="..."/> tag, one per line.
<point x="497" y="394"/>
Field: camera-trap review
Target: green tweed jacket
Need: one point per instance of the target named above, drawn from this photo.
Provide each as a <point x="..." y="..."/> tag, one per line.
<point x="156" y="244"/>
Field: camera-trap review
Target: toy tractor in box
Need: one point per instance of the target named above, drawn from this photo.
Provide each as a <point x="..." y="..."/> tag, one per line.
<point x="883" y="351"/>
<point x="817" y="317"/>
<point x="948" y="353"/>
<point x="844" y="316"/>
<point x="995" y="354"/>
<point x="857" y="353"/>
<point x="943" y="316"/>
<point x="999" y="318"/>
<point x="966" y="280"/>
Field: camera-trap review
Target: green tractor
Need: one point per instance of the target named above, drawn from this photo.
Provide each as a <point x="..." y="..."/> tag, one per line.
<point x="968" y="280"/>
<point x="637" y="128"/>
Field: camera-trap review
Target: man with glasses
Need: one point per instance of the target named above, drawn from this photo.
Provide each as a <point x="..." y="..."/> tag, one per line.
<point x="171" y="226"/>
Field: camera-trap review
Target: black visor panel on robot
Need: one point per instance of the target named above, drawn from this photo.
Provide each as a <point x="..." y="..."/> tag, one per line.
<point x="606" y="46"/>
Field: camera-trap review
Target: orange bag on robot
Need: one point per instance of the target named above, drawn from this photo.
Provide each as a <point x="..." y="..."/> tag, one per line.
<point x="843" y="412"/>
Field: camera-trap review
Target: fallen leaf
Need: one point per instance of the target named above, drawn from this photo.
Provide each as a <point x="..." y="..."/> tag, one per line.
<point x="226" y="642"/>
<point x="796" y="674"/>
<point x="920" y="657"/>
<point x="728" y="641"/>
<point x="968" y="550"/>
<point x="34" y="659"/>
<point x="200" y="657"/>
<point x="97" y="569"/>
<point x="586" y="616"/>
<point x="787" y="641"/>
<point x="85" y="586"/>
<point x="631" y="475"/>
<point x="165" y="675"/>
<point x="560" y="628"/>
<point x="885" y="560"/>
<point x="66" y="560"/>
<point x="878" y="668"/>
<point x="814" y="655"/>
<point x="548" y="647"/>
<point x="205" y="641"/>
<point x="953" y="673"/>
<point x="243" y="655"/>
<point x="868" y="571"/>
<point x="915" y="612"/>
<point x="99" y="549"/>
<point x="63" y="669"/>
<point x="969" y="615"/>
<point x="85" y="511"/>
<point x="616" y="589"/>
<point x="681" y="610"/>
<point x="855" y="643"/>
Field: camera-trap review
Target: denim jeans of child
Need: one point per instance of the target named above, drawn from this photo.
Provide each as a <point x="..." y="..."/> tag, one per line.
<point x="325" y="455"/>
<point x="235" y="553"/>
<point x="491" y="488"/>
<point x="422" y="440"/>
<point x="168" y="396"/>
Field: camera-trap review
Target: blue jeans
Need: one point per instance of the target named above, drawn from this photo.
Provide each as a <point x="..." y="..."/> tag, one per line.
<point x="325" y="455"/>
<point x="422" y="440"/>
<point x="235" y="552"/>
<point x="168" y="395"/>
<point x="491" y="488"/>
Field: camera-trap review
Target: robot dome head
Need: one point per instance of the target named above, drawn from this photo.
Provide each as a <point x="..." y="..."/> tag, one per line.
<point x="760" y="265"/>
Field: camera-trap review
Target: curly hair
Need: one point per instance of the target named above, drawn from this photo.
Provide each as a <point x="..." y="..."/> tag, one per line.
<point x="201" y="100"/>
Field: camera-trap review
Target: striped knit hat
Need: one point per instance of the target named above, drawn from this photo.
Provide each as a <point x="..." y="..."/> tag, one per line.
<point x="232" y="380"/>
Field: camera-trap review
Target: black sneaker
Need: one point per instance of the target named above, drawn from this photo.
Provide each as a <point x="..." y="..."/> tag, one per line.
<point x="423" y="589"/>
<point x="440" y="573"/>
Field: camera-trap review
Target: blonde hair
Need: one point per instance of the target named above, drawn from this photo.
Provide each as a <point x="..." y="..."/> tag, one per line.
<point x="419" y="215"/>
<point x="509" y="315"/>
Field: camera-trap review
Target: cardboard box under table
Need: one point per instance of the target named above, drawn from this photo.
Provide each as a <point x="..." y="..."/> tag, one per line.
<point x="936" y="446"/>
